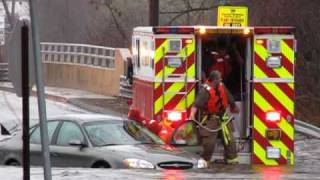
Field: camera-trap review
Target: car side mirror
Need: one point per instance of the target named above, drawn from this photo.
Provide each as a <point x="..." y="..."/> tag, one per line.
<point x="77" y="142"/>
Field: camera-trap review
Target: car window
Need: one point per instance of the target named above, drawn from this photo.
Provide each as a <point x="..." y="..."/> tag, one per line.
<point x="103" y="133"/>
<point x="69" y="131"/>
<point x="35" y="136"/>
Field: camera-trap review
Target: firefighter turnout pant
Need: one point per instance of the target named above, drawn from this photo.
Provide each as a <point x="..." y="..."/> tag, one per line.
<point x="209" y="139"/>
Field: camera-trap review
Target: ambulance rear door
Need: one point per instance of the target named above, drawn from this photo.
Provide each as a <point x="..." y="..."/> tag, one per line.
<point x="273" y="96"/>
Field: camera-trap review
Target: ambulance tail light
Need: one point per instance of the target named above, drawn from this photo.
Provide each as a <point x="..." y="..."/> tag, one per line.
<point x="175" y="116"/>
<point x="273" y="116"/>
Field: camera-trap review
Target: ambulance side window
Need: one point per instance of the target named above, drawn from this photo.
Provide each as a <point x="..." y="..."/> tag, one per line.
<point x="138" y="52"/>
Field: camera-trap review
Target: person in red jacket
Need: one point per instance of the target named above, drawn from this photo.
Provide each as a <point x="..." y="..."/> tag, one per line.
<point x="213" y="99"/>
<point x="221" y="61"/>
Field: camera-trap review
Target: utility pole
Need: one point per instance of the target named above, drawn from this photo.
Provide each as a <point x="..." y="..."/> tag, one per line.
<point x="154" y="12"/>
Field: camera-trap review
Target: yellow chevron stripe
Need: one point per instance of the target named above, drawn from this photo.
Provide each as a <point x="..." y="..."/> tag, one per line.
<point x="191" y="71"/>
<point x="175" y="87"/>
<point x="258" y="72"/>
<point x="283" y="150"/>
<point x="156" y="85"/>
<point x="181" y="105"/>
<point x="265" y="106"/>
<point x="287" y="51"/>
<point x="261" y="51"/>
<point x="190" y="47"/>
<point x="283" y="72"/>
<point x="261" y="129"/>
<point x="280" y="96"/>
<point x="159" y="51"/>
<point x="263" y="54"/>
<point x="287" y="128"/>
<point x="291" y="85"/>
<point x="261" y="154"/>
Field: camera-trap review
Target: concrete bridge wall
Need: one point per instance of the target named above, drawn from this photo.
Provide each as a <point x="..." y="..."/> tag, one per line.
<point x="87" y="77"/>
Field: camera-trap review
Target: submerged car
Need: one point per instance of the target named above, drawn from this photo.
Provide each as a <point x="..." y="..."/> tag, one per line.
<point x="99" y="141"/>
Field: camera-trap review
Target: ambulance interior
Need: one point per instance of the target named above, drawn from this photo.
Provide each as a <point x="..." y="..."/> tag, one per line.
<point x="236" y="50"/>
<point x="233" y="50"/>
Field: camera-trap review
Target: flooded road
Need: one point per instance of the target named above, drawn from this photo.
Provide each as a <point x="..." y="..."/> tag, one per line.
<point x="306" y="167"/>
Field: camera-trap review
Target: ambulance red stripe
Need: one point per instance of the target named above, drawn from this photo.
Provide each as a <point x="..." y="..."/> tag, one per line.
<point x="190" y="60"/>
<point x="159" y="42"/>
<point x="287" y="89"/>
<point x="262" y="65"/>
<point x="256" y="159"/>
<point x="285" y="62"/>
<point x="158" y="91"/>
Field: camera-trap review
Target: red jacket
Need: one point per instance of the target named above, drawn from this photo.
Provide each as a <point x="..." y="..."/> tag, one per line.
<point x="221" y="63"/>
<point x="213" y="106"/>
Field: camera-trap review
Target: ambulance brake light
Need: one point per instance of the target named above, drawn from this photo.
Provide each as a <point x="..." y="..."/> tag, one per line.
<point x="175" y="116"/>
<point x="273" y="116"/>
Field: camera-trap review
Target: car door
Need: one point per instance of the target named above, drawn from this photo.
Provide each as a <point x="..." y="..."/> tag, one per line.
<point x="66" y="155"/>
<point x="35" y="142"/>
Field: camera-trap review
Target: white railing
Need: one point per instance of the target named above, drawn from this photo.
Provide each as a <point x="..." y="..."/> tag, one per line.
<point x="82" y="54"/>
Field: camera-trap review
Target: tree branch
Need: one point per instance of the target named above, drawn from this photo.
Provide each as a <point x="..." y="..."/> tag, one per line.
<point x="115" y="20"/>
<point x="181" y="13"/>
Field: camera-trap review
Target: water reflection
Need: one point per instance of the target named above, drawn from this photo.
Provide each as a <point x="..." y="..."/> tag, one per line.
<point x="273" y="172"/>
<point x="173" y="175"/>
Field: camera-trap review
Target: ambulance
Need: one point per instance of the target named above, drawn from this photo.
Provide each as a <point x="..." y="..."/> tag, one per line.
<point x="170" y="63"/>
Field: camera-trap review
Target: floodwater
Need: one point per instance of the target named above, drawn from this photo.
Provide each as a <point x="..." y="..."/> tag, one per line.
<point x="306" y="167"/>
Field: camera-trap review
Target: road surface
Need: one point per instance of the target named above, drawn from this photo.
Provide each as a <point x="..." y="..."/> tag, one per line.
<point x="307" y="160"/>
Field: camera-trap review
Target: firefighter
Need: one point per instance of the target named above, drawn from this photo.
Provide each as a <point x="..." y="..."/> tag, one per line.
<point x="213" y="99"/>
<point x="221" y="62"/>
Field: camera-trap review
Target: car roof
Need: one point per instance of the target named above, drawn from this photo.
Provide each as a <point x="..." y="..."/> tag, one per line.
<point x="83" y="118"/>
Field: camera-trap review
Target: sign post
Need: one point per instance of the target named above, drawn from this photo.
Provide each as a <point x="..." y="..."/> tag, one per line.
<point x="40" y="90"/>
<point x="25" y="99"/>
<point x="232" y="16"/>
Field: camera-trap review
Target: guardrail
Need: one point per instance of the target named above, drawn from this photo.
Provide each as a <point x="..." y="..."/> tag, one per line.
<point x="125" y="87"/>
<point x="82" y="54"/>
<point x="306" y="128"/>
<point x="4" y="71"/>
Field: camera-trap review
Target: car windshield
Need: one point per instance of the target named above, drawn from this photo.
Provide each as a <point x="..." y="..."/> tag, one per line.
<point x="119" y="133"/>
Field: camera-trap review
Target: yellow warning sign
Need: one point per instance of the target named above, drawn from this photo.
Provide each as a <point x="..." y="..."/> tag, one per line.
<point x="236" y="16"/>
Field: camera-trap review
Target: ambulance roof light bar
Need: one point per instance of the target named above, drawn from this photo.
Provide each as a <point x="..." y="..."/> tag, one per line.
<point x="173" y="30"/>
<point x="274" y="30"/>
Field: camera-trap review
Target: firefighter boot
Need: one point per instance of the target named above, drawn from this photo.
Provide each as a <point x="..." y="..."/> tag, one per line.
<point x="232" y="161"/>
